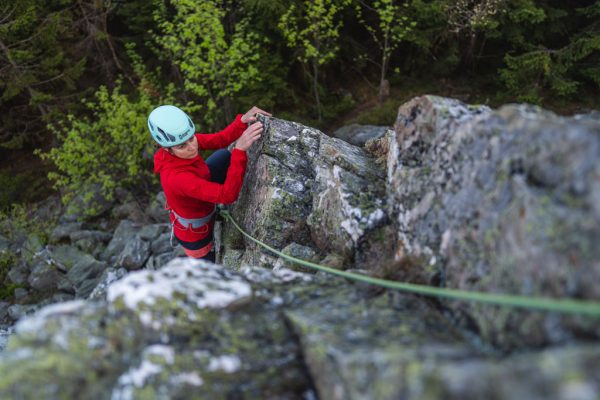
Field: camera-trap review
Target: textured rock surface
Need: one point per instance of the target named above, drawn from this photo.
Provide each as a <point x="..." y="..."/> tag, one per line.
<point x="196" y="330"/>
<point x="460" y="196"/>
<point x="190" y="330"/>
<point x="73" y="260"/>
<point x="418" y="355"/>
<point x="499" y="201"/>
<point x="309" y="189"/>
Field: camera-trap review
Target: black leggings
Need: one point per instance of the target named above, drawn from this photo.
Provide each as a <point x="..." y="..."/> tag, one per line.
<point x="218" y="164"/>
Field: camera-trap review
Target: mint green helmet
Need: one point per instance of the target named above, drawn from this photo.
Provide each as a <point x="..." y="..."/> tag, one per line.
<point x="170" y="126"/>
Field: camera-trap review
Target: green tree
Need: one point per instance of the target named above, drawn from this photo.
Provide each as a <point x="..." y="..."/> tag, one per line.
<point x="35" y="71"/>
<point x="215" y="64"/>
<point x="390" y="27"/>
<point x="313" y="29"/>
<point x="558" y="57"/>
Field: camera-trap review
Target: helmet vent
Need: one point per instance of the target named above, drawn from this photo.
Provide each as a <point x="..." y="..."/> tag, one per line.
<point x="168" y="138"/>
<point x="190" y="123"/>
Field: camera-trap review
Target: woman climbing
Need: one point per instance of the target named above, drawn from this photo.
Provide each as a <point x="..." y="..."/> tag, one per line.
<point x="193" y="186"/>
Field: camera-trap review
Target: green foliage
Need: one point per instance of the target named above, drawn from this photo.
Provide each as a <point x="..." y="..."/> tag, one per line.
<point x="216" y="65"/>
<point x="474" y="16"/>
<point x="7" y="288"/>
<point x="34" y="67"/>
<point x="21" y="187"/>
<point x="105" y="150"/>
<point x="389" y="29"/>
<point x="313" y="30"/>
<point x="555" y="72"/>
<point x="19" y="219"/>
<point x="217" y="56"/>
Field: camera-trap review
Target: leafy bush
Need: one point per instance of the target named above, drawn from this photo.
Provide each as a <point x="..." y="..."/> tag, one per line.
<point x="20" y="219"/>
<point x="21" y="187"/>
<point x="7" y="288"/>
<point x="105" y="150"/>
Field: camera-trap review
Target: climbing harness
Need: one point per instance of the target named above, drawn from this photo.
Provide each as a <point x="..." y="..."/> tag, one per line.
<point x="193" y="223"/>
<point x="569" y="306"/>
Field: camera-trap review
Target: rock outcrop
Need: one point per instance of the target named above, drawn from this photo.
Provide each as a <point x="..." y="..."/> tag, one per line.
<point x="458" y="196"/>
<point x="308" y="189"/>
<point x="504" y="201"/>
<point x="499" y="201"/>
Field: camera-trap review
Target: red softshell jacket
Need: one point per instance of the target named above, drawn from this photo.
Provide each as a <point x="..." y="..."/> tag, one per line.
<point x="187" y="185"/>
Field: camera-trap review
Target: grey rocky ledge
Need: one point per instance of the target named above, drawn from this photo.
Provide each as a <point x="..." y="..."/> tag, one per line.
<point x="197" y="330"/>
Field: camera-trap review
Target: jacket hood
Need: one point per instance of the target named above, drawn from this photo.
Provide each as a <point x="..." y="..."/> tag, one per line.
<point x="164" y="161"/>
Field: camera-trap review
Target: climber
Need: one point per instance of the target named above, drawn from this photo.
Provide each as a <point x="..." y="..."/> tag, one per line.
<point x="193" y="186"/>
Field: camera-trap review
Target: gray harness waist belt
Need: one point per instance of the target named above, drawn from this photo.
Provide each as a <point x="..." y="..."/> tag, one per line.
<point x="194" y="222"/>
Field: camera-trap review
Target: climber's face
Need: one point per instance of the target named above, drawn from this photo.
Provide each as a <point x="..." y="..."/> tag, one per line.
<point x="187" y="149"/>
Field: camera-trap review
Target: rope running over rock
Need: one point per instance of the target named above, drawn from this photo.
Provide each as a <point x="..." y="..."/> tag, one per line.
<point x="569" y="306"/>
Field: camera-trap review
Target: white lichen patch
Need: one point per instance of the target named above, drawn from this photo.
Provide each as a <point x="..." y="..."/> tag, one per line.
<point x="227" y="363"/>
<point x="184" y="283"/>
<point x="276" y="300"/>
<point x="137" y="376"/>
<point x="355" y="221"/>
<point x="288" y="275"/>
<point x="36" y="322"/>
<point x="187" y="378"/>
<point x="281" y="275"/>
<point x="165" y="352"/>
<point x="276" y="194"/>
<point x="294" y="186"/>
<point x="154" y="359"/>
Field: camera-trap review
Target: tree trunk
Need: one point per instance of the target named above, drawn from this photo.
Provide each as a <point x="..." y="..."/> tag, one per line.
<point x="384" y="84"/>
<point x="227" y="111"/>
<point x="316" y="88"/>
<point x="469" y="54"/>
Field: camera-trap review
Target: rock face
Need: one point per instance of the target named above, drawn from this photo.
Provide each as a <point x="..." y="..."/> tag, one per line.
<point x="499" y="201"/>
<point x="196" y="330"/>
<point x="307" y="189"/>
<point x="78" y="256"/>
<point x="459" y="196"/>
<point x="190" y="330"/>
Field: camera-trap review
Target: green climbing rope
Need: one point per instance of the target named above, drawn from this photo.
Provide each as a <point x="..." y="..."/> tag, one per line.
<point x="539" y="303"/>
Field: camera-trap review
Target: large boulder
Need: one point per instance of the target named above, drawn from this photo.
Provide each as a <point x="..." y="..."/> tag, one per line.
<point x="502" y="201"/>
<point x="191" y="329"/>
<point x="309" y="189"/>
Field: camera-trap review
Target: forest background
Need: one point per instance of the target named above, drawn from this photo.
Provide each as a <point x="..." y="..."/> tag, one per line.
<point x="79" y="77"/>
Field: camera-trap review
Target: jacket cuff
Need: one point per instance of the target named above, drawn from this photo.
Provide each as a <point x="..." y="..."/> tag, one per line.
<point x="238" y="120"/>
<point x="239" y="153"/>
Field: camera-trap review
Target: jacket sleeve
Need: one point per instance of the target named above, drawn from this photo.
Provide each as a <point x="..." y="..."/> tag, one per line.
<point x="189" y="185"/>
<point x="223" y="138"/>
